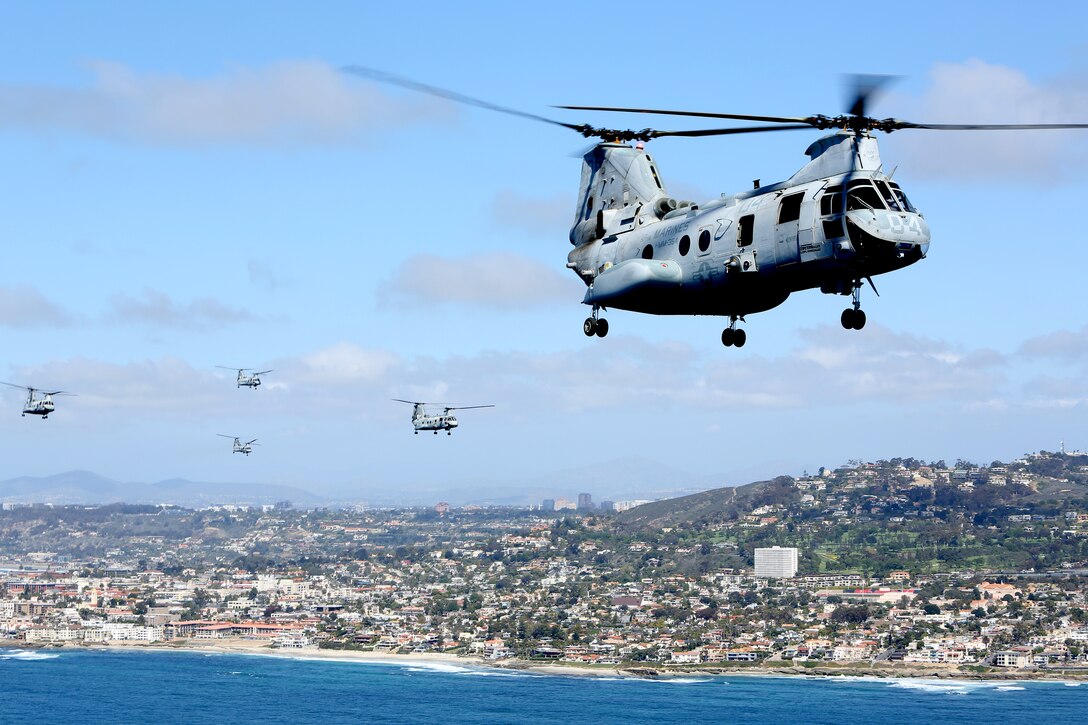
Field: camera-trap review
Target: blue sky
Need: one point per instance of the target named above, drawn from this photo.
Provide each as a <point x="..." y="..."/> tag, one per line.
<point x="186" y="187"/>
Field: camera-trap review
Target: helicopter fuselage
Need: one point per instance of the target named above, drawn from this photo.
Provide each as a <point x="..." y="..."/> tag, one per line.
<point x="434" y="422"/>
<point x="837" y="221"/>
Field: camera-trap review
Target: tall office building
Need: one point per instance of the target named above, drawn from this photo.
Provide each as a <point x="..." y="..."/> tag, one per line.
<point x="776" y="563"/>
<point x="585" y="502"/>
<point x="548" y="505"/>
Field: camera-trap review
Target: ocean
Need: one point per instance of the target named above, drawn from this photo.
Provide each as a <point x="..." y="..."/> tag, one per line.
<point x="119" y="686"/>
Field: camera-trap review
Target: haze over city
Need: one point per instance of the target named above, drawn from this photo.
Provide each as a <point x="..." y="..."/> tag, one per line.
<point x="187" y="188"/>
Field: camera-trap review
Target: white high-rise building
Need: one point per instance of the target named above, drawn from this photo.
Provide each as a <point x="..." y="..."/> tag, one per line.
<point x="776" y="563"/>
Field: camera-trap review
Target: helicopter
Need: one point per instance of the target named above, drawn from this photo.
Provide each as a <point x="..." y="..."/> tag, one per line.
<point x="247" y="380"/>
<point x="42" y="406"/>
<point x="239" y="446"/>
<point x="837" y="222"/>
<point x="443" y="421"/>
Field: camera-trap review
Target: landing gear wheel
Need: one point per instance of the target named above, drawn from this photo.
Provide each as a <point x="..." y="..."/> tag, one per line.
<point x="727" y="336"/>
<point x="739" y="338"/>
<point x="589" y="327"/>
<point x="847" y="319"/>
<point x="602" y="327"/>
<point x="859" y="319"/>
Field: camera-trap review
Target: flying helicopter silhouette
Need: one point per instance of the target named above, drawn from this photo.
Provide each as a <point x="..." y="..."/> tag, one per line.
<point x="247" y="380"/>
<point x="442" y="421"/>
<point x="239" y="446"/>
<point x="42" y="406"/>
<point x="837" y="222"/>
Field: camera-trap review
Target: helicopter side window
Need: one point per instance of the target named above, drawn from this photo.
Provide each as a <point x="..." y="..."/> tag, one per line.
<point x="903" y="200"/>
<point x="833" y="228"/>
<point x="704" y="240"/>
<point x="589" y="206"/>
<point x="744" y="230"/>
<point x="889" y="198"/>
<point x="685" y="245"/>
<point x="648" y="252"/>
<point x="790" y="209"/>
<point x="862" y="195"/>
<point x="831" y="202"/>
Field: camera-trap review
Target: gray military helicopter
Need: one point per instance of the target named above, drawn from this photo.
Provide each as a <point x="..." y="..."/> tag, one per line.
<point x="443" y="421"/>
<point x="239" y="446"/>
<point x="838" y="221"/>
<point x="42" y="406"/>
<point x="247" y="380"/>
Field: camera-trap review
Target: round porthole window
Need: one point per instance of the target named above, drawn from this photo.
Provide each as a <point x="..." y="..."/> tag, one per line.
<point x="704" y="240"/>
<point x="685" y="245"/>
<point x="648" y="252"/>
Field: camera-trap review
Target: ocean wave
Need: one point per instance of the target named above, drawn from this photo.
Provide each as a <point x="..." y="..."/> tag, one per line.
<point x="26" y="655"/>
<point x="1008" y="688"/>
<point x="681" y="680"/>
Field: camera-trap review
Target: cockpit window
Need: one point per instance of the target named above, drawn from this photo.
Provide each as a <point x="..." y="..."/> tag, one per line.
<point x="889" y="198"/>
<point x="862" y="195"/>
<point x="903" y="200"/>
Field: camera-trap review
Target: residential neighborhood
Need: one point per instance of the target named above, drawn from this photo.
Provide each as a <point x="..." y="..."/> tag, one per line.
<point x="587" y="586"/>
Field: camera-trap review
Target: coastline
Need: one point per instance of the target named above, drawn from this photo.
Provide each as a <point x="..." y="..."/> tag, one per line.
<point x="900" y="671"/>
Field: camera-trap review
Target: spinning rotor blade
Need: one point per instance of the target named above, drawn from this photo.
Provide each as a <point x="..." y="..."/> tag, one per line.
<point x="409" y="402"/>
<point x="896" y="124"/>
<point x="865" y="87"/>
<point x="694" y="114"/>
<point x="468" y="407"/>
<point x="262" y="372"/>
<point x="390" y="78"/>
<point x="249" y="443"/>
<point x="225" y="436"/>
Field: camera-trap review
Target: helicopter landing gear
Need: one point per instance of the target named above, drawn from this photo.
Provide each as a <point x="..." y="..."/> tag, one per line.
<point x="731" y="336"/>
<point x="853" y="318"/>
<point x="449" y="432"/>
<point x="593" y="326"/>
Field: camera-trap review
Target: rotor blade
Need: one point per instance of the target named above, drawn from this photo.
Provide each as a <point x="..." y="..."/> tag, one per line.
<point x="392" y="79"/>
<point x="225" y="436"/>
<point x="249" y="443"/>
<point x="20" y="387"/>
<point x="262" y="372"/>
<point x="694" y="114"/>
<point x="229" y="368"/>
<point x="865" y="87"/>
<point x="409" y="402"/>
<point x="896" y="124"/>
<point x="468" y="407"/>
<point x="653" y="133"/>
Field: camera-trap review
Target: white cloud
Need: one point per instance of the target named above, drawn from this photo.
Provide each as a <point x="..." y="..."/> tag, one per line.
<point x="496" y="280"/>
<point x="1063" y="344"/>
<point x="157" y="309"/>
<point x="975" y="92"/>
<point x="26" y="307"/>
<point x="342" y="364"/>
<point x="290" y="102"/>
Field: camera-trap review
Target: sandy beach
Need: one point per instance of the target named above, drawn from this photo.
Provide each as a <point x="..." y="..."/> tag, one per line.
<point x="896" y="670"/>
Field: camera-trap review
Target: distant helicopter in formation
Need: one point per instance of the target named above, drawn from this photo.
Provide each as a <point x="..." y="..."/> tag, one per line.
<point x="838" y="221"/>
<point x="443" y="421"/>
<point x="247" y="380"/>
<point x="239" y="446"/>
<point x="42" y="406"/>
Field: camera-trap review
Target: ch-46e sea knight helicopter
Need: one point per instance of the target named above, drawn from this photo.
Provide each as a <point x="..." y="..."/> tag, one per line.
<point x="239" y="446"/>
<point x="247" y="379"/>
<point x="836" y="222"/>
<point x="42" y="406"/>
<point x="442" y="421"/>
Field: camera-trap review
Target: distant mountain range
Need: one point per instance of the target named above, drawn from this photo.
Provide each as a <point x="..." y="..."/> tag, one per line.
<point x="85" y="487"/>
<point x="623" y="479"/>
